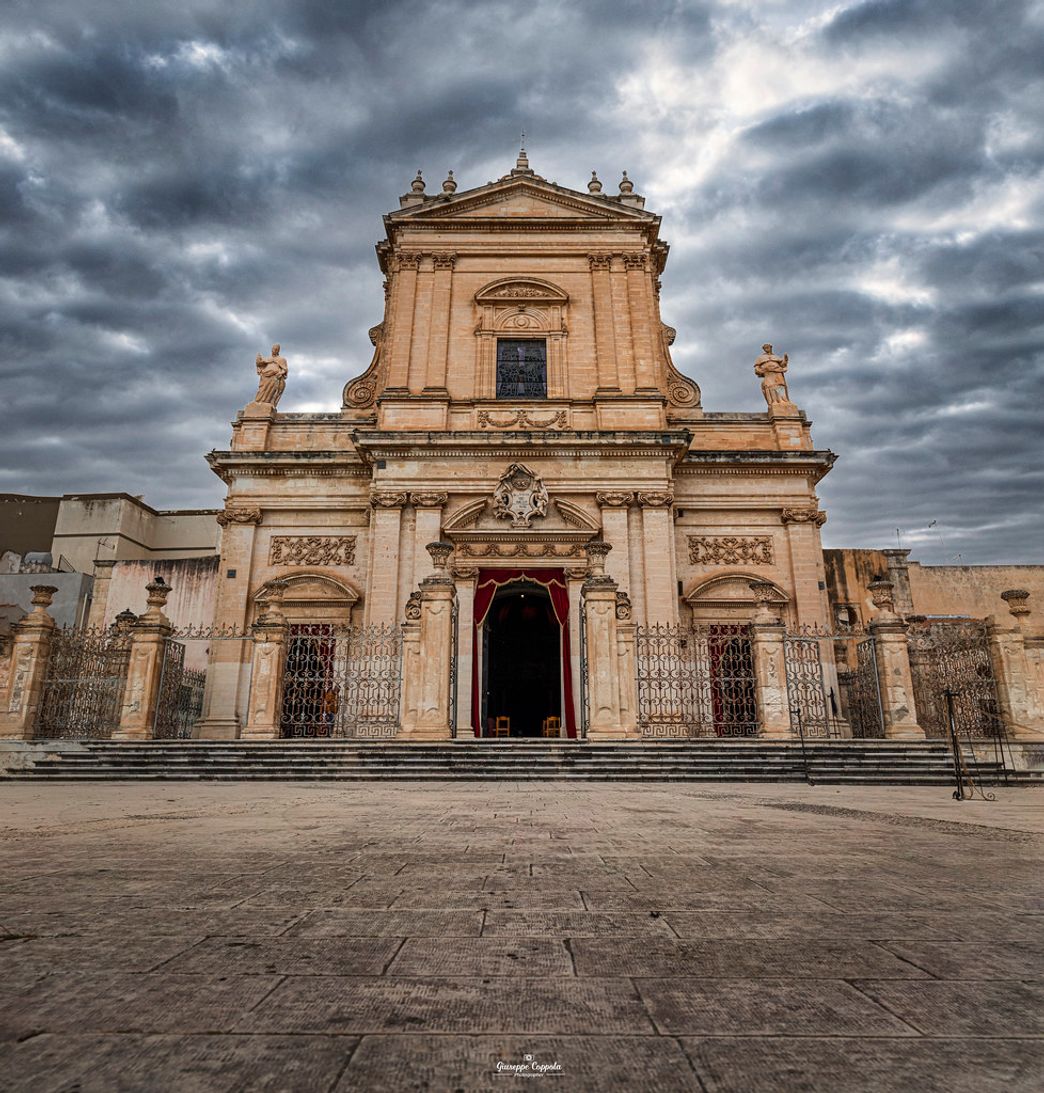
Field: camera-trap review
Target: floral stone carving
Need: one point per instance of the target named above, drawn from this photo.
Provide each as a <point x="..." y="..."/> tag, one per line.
<point x="519" y="496"/>
<point x="730" y="550"/>
<point x="312" y="550"/>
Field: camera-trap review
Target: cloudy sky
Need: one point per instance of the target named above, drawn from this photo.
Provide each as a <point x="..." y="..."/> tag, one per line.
<point x="181" y="183"/>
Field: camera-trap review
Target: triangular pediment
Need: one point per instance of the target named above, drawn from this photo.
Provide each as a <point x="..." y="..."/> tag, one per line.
<point x="523" y="199"/>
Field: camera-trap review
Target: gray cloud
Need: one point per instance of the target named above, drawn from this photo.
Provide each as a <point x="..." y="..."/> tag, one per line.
<point x="182" y="184"/>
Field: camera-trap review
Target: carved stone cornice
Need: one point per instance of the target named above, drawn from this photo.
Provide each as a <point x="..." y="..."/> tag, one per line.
<point x="810" y="515"/>
<point x="615" y="499"/>
<point x="428" y="500"/>
<point x="389" y="500"/>
<point x="599" y="261"/>
<point x="655" y="499"/>
<point x="236" y="515"/>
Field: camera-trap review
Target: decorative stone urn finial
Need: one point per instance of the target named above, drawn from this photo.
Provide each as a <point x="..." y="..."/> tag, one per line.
<point x="764" y="593"/>
<point x="158" y="590"/>
<point x="417" y="185"/>
<point x="43" y="594"/>
<point x="595" y="186"/>
<point x="275" y="590"/>
<point x="440" y="552"/>
<point x="882" y="593"/>
<point x="596" y="554"/>
<point x="1016" y="599"/>
<point x="626" y="185"/>
<point x="124" y="621"/>
<point x="449" y="184"/>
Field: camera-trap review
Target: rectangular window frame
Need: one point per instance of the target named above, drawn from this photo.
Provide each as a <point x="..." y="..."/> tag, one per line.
<point x="528" y="396"/>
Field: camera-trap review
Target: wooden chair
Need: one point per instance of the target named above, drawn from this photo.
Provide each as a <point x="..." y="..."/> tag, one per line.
<point x="552" y="727"/>
<point x="502" y="726"/>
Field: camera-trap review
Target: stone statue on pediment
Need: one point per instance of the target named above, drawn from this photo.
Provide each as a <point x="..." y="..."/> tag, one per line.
<point x="772" y="370"/>
<point x="271" y="373"/>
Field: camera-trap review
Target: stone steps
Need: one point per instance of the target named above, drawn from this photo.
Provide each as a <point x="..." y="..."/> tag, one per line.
<point x="835" y="762"/>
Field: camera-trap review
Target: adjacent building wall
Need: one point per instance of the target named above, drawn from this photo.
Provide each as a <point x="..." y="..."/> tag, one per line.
<point x="27" y="523"/>
<point x="71" y="604"/>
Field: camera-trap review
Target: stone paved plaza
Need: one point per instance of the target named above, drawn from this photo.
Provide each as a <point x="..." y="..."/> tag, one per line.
<point x="656" y="937"/>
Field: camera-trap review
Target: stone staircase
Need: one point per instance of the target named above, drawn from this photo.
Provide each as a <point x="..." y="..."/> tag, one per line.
<point x="873" y="762"/>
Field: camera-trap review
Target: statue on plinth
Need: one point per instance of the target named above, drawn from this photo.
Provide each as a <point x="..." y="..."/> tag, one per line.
<point x="271" y="373"/>
<point x="772" y="370"/>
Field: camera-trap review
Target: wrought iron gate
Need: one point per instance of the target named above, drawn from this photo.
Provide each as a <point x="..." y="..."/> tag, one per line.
<point x="585" y="706"/>
<point x="454" y="672"/>
<point x="812" y="656"/>
<point x="84" y="683"/>
<point x="954" y="657"/>
<point x="179" y="702"/>
<point x="342" y="681"/>
<point x="695" y="681"/>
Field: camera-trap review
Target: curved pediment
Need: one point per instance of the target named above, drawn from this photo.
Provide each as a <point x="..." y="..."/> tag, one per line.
<point x="728" y="589"/>
<point x="520" y="290"/>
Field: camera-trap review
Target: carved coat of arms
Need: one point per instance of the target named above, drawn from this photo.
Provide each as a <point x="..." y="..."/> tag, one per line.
<point x="519" y="496"/>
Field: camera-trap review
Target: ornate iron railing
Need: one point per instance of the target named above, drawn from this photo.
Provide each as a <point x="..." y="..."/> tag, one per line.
<point x="179" y="703"/>
<point x="831" y="679"/>
<point x="84" y="683"/>
<point x="695" y="681"/>
<point x="342" y="681"/>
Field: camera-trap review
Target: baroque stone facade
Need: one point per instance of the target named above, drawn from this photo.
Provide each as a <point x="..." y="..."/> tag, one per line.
<point x="522" y="408"/>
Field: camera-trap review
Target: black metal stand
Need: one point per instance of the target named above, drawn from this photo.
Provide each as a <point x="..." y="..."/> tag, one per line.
<point x="795" y="713"/>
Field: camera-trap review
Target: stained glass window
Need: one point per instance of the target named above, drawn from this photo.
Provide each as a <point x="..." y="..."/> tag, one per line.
<point x="521" y="368"/>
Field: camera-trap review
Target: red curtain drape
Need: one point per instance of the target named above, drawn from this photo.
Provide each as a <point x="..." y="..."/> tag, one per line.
<point x="489" y="580"/>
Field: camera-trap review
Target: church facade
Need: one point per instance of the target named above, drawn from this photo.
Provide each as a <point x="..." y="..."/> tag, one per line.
<point x="519" y="490"/>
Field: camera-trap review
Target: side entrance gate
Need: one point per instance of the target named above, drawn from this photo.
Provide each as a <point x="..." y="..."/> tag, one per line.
<point x="342" y="681"/>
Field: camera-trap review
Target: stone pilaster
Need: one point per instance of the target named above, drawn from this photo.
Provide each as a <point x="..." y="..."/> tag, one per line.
<point x="627" y="665"/>
<point x="894" y="677"/>
<point x="226" y="659"/>
<point x="429" y="685"/>
<point x="465" y="578"/>
<point x="615" y="506"/>
<point x="268" y="663"/>
<point x="644" y="338"/>
<point x="659" y="563"/>
<point x="899" y="575"/>
<point x="606" y="719"/>
<point x="438" y="338"/>
<point x="148" y="641"/>
<point x="605" y="347"/>
<point x="768" y="634"/>
<point x="403" y="302"/>
<point x="381" y="603"/>
<point x="1021" y="707"/>
<point x="29" y="656"/>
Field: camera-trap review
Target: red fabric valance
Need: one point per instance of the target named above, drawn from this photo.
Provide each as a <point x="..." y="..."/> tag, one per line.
<point x="489" y="580"/>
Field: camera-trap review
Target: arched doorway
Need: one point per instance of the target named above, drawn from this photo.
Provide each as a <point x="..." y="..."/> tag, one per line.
<point x="521" y="659"/>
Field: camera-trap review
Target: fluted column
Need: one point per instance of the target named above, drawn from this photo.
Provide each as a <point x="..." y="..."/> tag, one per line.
<point x="29" y="658"/>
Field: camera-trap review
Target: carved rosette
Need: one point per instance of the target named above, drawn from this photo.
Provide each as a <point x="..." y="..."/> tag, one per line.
<point x="655" y="499"/>
<point x="615" y="499"/>
<point x="519" y="496"/>
<point x="730" y="550"/>
<point x="388" y="500"/>
<point x="804" y="516"/>
<point x="428" y="500"/>
<point x="235" y="515"/>
<point x="312" y="550"/>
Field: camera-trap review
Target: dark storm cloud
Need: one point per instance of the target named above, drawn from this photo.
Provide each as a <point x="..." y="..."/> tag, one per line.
<point x="182" y="184"/>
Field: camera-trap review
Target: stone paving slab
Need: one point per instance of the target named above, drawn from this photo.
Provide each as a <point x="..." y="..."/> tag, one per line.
<point x="394" y="937"/>
<point x="768" y="1065"/>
